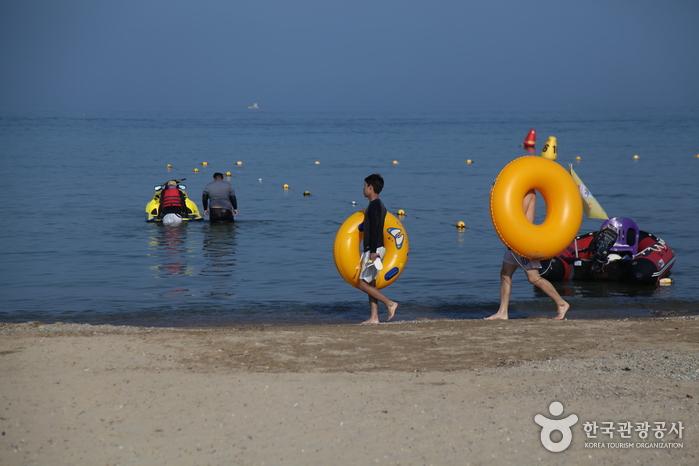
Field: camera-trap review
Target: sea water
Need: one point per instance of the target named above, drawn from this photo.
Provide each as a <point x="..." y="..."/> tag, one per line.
<point x="76" y="246"/>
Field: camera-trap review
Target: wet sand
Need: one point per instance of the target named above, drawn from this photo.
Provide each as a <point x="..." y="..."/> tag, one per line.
<point x="422" y="392"/>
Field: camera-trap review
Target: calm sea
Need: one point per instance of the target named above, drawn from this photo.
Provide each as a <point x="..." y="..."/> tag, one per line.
<point x="76" y="247"/>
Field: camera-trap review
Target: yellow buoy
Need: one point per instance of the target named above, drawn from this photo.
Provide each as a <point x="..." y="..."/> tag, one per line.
<point x="205" y="163"/>
<point x="228" y="173"/>
<point x="578" y="158"/>
<point x="550" y="149"/>
<point x="286" y="186"/>
<point x="469" y="161"/>
<point x="239" y="162"/>
<point x="170" y="166"/>
<point x="400" y="213"/>
<point x="317" y="163"/>
<point x="666" y="281"/>
<point x="306" y="193"/>
<point x="698" y="156"/>
<point x="395" y="162"/>
<point x="460" y="224"/>
<point x="636" y="157"/>
<point x="196" y="170"/>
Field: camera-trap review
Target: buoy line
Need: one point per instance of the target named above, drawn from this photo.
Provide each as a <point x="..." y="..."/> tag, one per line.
<point x="276" y="183"/>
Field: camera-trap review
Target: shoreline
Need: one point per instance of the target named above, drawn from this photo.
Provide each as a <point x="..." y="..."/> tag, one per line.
<point x="421" y="392"/>
<point x="12" y="327"/>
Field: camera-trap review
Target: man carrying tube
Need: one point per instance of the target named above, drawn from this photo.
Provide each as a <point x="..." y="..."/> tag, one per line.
<point x="531" y="267"/>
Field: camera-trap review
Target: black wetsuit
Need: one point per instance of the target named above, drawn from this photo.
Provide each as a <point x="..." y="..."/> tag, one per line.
<point x="374" y="218"/>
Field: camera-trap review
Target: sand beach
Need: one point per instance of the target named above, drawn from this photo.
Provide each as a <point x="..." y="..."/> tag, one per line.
<point x="430" y="392"/>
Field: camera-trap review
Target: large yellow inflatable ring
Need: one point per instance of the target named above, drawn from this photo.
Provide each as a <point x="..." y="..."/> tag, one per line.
<point x="348" y="241"/>
<point x="563" y="207"/>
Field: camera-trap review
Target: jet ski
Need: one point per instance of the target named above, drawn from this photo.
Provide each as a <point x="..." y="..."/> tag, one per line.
<point x="618" y="251"/>
<point x="170" y="204"/>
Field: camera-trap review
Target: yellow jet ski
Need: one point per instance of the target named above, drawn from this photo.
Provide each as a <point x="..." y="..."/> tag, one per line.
<point x="171" y="198"/>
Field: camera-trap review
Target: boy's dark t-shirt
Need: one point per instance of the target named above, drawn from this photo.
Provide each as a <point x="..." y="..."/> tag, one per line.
<point x="374" y="217"/>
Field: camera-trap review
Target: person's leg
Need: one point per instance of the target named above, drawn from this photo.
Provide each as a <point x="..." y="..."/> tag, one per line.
<point x="505" y="290"/>
<point x="544" y="285"/>
<point x="374" y="297"/>
<point x="373" y="310"/>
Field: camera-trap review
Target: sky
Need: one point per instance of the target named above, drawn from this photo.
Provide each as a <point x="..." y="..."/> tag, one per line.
<point x="391" y="54"/>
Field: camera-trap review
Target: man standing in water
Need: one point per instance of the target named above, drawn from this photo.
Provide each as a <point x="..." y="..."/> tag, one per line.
<point x="531" y="267"/>
<point x="220" y="196"/>
<point x="374" y="217"/>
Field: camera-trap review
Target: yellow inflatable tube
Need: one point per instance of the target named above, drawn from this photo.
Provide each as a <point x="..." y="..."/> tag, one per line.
<point x="348" y="242"/>
<point x="563" y="207"/>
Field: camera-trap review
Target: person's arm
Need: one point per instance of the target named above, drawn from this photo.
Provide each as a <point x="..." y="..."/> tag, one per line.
<point x="205" y="200"/>
<point x="234" y="200"/>
<point x="529" y="205"/>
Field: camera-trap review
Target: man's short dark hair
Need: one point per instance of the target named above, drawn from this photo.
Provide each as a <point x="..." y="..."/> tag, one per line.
<point x="218" y="175"/>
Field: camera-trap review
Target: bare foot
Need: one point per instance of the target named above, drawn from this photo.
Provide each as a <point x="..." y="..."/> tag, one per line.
<point x="497" y="316"/>
<point x="392" y="310"/>
<point x="370" y="322"/>
<point x="562" y="309"/>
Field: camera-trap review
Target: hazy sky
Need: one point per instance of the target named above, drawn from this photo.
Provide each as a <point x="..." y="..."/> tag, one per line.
<point x="428" y="54"/>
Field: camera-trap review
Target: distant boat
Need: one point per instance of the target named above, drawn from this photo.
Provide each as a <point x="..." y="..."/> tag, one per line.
<point x="254" y="106"/>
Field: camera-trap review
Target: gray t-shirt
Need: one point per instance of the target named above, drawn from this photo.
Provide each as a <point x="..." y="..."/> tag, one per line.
<point x="220" y="194"/>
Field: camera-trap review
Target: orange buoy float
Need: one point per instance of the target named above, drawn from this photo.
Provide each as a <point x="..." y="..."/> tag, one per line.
<point x="530" y="140"/>
<point x="563" y="207"/>
<point x="347" y="245"/>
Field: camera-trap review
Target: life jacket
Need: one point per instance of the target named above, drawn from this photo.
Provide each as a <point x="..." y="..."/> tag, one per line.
<point x="171" y="198"/>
